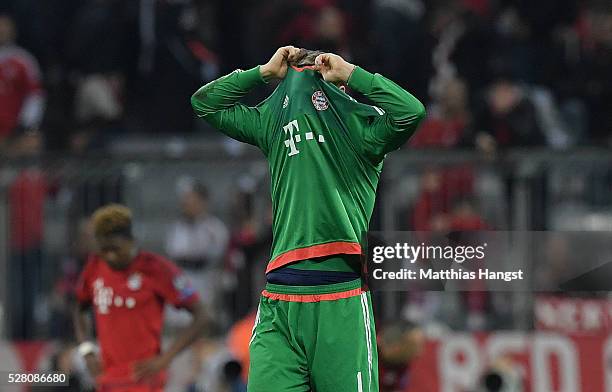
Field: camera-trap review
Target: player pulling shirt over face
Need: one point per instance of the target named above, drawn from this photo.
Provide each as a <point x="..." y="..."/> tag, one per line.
<point x="314" y="329"/>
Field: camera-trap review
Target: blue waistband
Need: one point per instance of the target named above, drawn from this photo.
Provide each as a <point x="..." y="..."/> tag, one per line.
<point x="297" y="277"/>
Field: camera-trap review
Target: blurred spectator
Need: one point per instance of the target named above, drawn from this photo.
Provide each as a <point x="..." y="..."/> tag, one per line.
<point x="198" y="241"/>
<point x="476" y="300"/>
<point x="399" y="344"/>
<point x="27" y="195"/>
<point x="550" y="119"/>
<point x="98" y="99"/>
<point x="448" y="119"/>
<point x="595" y="80"/>
<point x="215" y="368"/>
<point x="331" y="32"/>
<point x="508" y="118"/>
<point x="101" y="51"/>
<point x="429" y="201"/>
<point x="461" y="215"/>
<point x="100" y="41"/>
<point x="440" y="188"/>
<point x="21" y="95"/>
<point x="400" y="32"/>
<point x="108" y="56"/>
<point x="514" y="52"/>
<point x="465" y="216"/>
<point x="317" y="25"/>
<point x="178" y="52"/>
<point x="248" y="252"/>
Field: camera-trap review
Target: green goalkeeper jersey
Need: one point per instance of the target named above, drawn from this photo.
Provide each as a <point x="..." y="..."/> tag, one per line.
<point x="325" y="151"/>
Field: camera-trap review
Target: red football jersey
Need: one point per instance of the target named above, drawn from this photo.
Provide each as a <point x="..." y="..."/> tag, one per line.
<point x="128" y="306"/>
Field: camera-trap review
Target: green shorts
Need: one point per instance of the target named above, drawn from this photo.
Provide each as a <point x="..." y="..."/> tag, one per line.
<point x="314" y="338"/>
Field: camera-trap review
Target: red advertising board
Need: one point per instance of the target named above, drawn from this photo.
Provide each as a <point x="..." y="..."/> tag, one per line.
<point x="546" y="361"/>
<point x="573" y="315"/>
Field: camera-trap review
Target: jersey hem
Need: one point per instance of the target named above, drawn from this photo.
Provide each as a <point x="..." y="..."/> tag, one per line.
<point x="313" y="251"/>
<point x="329" y="292"/>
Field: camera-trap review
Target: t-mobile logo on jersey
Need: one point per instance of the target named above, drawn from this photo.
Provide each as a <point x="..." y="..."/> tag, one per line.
<point x="104" y="298"/>
<point x="293" y="131"/>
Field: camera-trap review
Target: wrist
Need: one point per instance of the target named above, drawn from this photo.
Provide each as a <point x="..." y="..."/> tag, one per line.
<point x="361" y="80"/>
<point x="86" y="348"/>
<point x="265" y="72"/>
<point x="347" y="72"/>
<point x="166" y="357"/>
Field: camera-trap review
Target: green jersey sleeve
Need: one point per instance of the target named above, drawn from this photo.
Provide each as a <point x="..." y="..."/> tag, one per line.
<point x="217" y="103"/>
<point x="402" y="114"/>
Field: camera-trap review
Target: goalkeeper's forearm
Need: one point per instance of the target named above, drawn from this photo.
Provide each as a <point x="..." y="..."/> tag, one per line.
<point x="403" y="108"/>
<point x="226" y="91"/>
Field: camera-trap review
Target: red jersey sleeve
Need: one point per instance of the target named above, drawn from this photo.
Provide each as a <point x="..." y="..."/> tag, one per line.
<point x="172" y="285"/>
<point x="31" y="73"/>
<point x="83" y="290"/>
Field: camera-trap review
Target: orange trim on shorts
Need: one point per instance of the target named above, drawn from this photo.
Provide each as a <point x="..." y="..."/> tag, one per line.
<point x="313" y="297"/>
<point x="321" y="250"/>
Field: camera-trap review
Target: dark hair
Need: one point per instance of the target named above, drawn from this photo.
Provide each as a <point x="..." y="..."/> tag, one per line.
<point x="113" y="219"/>
<point x="305" y="57"/>
<point x="201" y="190"/>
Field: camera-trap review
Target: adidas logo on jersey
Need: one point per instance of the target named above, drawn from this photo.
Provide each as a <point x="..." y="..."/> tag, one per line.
<point x="286" y="102"/>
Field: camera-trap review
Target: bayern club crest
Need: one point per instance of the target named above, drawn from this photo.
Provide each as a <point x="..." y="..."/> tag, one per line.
<point x="134" y="282"/>
<point x="319" y="100"/>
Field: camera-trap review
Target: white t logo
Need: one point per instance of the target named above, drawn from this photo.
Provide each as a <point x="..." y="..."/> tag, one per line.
<point x="290" y="143"/>
<point x="103" y="296"/>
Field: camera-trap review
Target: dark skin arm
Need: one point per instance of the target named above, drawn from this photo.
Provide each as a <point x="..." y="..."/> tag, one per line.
<point x="192" y="333"/>
<point x="82" y="333"/>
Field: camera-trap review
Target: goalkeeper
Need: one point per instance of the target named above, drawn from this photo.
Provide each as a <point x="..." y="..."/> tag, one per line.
<point x="314" y="329"/>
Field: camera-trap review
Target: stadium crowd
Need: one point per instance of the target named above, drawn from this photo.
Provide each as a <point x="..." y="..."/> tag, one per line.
<point x="493" y="72"/>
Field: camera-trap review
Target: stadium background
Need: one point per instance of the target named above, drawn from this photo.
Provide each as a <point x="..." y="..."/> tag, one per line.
<point x="518" y="137"/>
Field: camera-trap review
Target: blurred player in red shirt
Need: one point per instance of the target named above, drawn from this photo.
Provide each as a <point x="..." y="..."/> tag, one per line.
<point x="128" y="288"/>
<point x="21" y="94"/>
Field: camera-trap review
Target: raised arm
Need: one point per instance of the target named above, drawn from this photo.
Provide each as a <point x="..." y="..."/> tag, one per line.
<point x="402" y="111"/>
<point x="217" y="102"/>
